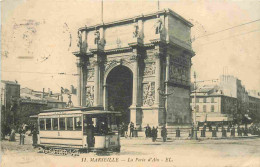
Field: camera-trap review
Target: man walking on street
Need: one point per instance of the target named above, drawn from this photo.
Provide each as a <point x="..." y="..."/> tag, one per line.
<point x="147" y="131"/>
<point x="154" y="134"/>
<point x="164" y="133"/>
<point x="34" y="135"/>
<point x="132" y="129"/>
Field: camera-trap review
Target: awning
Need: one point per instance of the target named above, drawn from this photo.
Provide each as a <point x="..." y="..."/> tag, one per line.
<point x="34" y="116"/>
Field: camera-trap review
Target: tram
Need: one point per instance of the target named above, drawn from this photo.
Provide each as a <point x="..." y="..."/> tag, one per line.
<point x="76" y="130"/>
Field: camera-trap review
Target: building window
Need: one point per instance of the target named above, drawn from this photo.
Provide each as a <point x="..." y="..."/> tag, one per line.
<point x="197" y="100"/>
<point x="48" y="123"/>
<point x="212" y="108"/>
<point x="77" y="121"/>
<point x="212" y="99"/>
<point x="204" y="108"/>
<point x="204" y="100"/>
<point x="62" y="123"/>
<point x="42" y="124"/>
<point x="55" y="123"/>
<point x="70" y="123"/>
<point x="197" y="108"/>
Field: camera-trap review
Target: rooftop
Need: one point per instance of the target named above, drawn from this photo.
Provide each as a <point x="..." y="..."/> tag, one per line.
<point x="10" y="82"/>
<point x="142" y="16"/>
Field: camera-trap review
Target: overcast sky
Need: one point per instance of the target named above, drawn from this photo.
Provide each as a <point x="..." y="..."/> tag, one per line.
<point x="36" y="37"/>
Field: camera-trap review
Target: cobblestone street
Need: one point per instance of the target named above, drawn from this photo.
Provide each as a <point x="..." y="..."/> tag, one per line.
<point x="134" y="152"/>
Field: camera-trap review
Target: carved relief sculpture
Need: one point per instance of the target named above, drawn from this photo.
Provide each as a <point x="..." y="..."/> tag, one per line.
<point x="89" y="96"/>
<point x="148" y="94"/>
<point x="149" y="69"/>
<point x="90" y="74"/>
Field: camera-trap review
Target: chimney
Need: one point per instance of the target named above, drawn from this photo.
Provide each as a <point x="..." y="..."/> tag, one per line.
<point x="71" y="89"/>
<point x="61" y="98"/>
<point x="42" y="93"/>
<point x="49" y="92"/>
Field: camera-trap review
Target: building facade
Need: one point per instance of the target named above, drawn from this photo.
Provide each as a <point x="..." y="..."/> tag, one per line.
<point x="30" y="105"/>
<point x="130" y="65"/>
<point x="254" y="105"/>
<point x="229" y="99"/>
<point x="54" y="100"/>
<point x="10" y="95"/>
<point x="212" y="106"/>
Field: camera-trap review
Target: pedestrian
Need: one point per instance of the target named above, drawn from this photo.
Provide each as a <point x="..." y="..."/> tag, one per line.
<point x="90" y="134"/>
<point x="126" y="130"/>
<point x="153" y="134"/>
<point x="34" y="135"/>
<point x="156" y="132"/>
<point x="164" y="133"/>
<point x="132" y="129"/>
<point x="122" y="129"/>
<point x="22" y="135"/>
<point x="147" y="131"/>
<point x="12" y="135"/>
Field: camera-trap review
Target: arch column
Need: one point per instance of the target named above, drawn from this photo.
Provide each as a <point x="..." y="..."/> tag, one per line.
<point x="105" y="102"/>
<point x="135" y="112"/>
<point x="96" y="81"/>
<point x="79" y="81"/>
<point x="157" y="78"/>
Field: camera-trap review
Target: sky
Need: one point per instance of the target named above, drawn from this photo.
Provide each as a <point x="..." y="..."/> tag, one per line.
<point x="39" y="36"/>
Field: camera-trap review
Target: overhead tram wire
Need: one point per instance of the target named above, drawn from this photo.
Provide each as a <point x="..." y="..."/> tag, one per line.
<point x="213" y="33"/>
<point x="231" y="37"/>
<point x="31" y="72"/>
<point x="227" y="29"/>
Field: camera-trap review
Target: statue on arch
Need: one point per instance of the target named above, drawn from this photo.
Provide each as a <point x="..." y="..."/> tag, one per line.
<point x="135" y="30"/>
<point x="97" y="37"/>
<point x="158" y="26"/>
<point x="79" y="43"/>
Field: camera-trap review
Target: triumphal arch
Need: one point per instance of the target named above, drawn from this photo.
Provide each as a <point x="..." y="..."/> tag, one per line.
<point x="139" y="66"/>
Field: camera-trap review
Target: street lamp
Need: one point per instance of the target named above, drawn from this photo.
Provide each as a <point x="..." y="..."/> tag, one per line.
<point x="164" y="95"/>
<point x="194" y="135"/>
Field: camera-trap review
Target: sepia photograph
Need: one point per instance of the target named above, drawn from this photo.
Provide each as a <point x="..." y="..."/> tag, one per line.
<point x="130" y="83"/>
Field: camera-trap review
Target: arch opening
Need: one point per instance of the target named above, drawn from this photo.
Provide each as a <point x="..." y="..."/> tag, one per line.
<point x="119" y="91"/>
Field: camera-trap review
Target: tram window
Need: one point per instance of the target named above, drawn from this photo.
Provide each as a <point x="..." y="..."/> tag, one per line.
<point x="77" y="121"/>
<point x="55" y="123"/>
<point x="42" y="124"/>
<point x="70" y="123"/>
<point x="62" y="123"/>
<point x="48" y="123"/>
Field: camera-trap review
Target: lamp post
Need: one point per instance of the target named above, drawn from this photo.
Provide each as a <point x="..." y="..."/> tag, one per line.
<point x="194" y="135"/>
<point x="164" y="95"/>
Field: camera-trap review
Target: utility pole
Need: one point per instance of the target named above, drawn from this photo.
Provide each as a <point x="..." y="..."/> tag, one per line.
<point x="102" y="11"/>
<point x="164" y="95"/>
<point x="194" y="135"/>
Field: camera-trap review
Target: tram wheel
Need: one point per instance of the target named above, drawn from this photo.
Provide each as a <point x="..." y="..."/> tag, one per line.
<point x="40" y="150"/>
<point x="64" y="152"/>
<point x="46" y="151"/>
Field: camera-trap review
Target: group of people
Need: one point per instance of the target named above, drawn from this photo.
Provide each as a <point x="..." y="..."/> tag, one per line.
<point x="124" y="129"/>
<point x="22" y="129"/>
<point x="153" y="132"/>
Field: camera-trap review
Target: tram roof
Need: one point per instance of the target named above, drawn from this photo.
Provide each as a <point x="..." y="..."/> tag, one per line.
<point x="73" y="109"/>
<point x="83" y="110"/>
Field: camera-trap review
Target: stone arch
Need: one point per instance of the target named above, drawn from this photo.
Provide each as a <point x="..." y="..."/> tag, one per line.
<point x="113" y="65"/>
